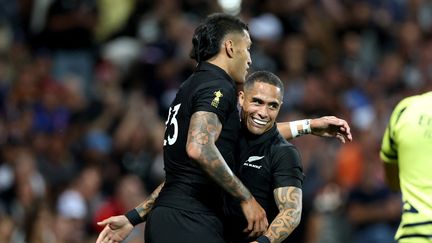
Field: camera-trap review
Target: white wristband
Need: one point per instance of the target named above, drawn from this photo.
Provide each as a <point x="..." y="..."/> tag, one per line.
<point x="304" y="129"/>
<point x="306" y="124"/>
<point x="294" y="131"/>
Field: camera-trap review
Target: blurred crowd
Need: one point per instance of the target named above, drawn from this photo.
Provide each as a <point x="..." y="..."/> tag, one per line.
<point x="85" y="86"/>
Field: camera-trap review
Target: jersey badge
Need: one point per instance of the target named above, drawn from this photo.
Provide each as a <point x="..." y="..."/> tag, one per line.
<point x="215" y="102"/>
<point x="252" y="159"/>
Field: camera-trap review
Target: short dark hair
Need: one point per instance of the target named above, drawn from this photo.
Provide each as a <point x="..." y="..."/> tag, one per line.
<point x="264" y="77"/>
<point x="208" y="35"/>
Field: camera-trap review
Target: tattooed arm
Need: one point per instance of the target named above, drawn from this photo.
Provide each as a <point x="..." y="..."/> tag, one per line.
<point x="204" y="130"/>
<point x="144" y="208"/>
<point x="289" y="202"/>
<point x="117" y="228"/>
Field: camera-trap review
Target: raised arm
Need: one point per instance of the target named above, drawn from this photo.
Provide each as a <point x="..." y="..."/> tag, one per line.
<point x="326" y="126"/>
<point x="289" y="201"/>
<point x="204" y="130"/>
<point x="117" y="228"/>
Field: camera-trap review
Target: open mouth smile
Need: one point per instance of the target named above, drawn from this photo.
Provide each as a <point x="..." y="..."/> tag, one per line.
<point x="259" y="122"/>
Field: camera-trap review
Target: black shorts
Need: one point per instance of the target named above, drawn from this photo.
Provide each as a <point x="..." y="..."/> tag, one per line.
<point x="168" y="225"/>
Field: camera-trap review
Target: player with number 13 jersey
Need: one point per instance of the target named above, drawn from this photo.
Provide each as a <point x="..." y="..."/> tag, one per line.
<point x="209" y="89"/>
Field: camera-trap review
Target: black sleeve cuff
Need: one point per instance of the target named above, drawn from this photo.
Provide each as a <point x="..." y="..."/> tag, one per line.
<point x="263" y="239"/>
<point x="134" y="217"/>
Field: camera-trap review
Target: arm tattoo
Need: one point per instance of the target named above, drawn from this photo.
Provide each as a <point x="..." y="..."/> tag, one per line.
<point x="145" y="207"/>
<point x="289" y="202"/>
<point x="204" y="129"/>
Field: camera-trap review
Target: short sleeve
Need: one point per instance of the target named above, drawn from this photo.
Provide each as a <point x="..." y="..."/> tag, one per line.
<point x="217" y="97"/>
<point x="388" y="152"/>
<point x="287" y="167"/>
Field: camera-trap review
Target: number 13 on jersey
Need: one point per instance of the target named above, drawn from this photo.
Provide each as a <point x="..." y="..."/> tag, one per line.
<point x="172" y="121"/>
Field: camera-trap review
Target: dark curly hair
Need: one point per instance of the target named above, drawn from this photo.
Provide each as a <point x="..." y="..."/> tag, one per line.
<point x="208" y="35"/>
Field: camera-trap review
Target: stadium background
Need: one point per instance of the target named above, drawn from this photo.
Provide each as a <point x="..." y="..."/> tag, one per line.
<point x="85" y="86"/>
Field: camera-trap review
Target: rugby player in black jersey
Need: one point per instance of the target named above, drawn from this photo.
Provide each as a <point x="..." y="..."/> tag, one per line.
<point x="201" y="134"/>
<point x="268" y="165"/>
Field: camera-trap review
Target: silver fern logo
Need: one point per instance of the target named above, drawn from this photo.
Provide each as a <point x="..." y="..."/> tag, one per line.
<point x="252" y="159"/>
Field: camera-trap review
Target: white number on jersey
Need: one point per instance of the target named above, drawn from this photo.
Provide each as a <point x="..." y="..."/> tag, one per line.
<point x="172" y="120"/>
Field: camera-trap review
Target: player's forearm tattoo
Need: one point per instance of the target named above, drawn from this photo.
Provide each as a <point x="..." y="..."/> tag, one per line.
<point x="289" y="202"/>
<point x="145" y="207"/>
<point x="204" y="130"/>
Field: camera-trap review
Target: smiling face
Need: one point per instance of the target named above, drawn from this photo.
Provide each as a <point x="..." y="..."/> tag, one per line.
<point x="260" y="104"/>
<point x="241" y="59"/>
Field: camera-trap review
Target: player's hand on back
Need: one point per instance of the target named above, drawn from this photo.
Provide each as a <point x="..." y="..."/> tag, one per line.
<point x="255" y="216"/>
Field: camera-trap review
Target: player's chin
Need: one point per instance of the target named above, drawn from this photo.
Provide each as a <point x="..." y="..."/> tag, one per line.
<point x="239" y="79"/>
<point x="243" y="78"/>
<point x="256" y="130"/>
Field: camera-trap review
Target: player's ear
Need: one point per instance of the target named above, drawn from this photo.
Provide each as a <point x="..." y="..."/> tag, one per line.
<point x="229" y="47"/>
<point x="241" y="98"/>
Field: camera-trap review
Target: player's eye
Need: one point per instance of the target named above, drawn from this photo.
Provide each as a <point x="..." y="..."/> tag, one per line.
<point x="257" y="101"/>
<point x="273" y="106"/>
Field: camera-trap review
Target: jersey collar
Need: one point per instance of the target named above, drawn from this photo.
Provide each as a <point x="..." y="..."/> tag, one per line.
<point x="214" y="68"/>
<point x="253" y="139"/>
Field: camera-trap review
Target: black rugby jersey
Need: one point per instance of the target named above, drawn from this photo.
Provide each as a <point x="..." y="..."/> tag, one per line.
<point x="187" y="186"/>
<point x="265" y="162"/>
